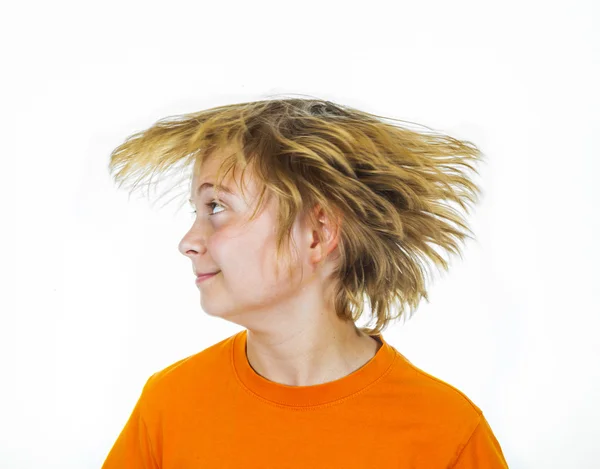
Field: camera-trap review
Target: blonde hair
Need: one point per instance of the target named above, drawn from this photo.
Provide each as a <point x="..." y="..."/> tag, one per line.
<point x="393" y="187"/>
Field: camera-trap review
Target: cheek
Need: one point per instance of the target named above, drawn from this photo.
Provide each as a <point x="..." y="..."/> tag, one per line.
<point x="248" y="258"/>
<point x="243" y="255"/>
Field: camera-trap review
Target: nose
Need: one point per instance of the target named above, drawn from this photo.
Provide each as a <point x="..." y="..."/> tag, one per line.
<point x="192" y="243"/>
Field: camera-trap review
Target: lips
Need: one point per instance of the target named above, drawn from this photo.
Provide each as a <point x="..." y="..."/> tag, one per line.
<point x="201" y="277"/>
<point x="198" y="273"/>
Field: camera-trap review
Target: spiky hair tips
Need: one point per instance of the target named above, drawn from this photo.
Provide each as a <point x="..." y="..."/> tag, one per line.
<point x="401" y="194"/>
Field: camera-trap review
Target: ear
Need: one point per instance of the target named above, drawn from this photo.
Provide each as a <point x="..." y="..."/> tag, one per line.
<point x="330" y="229"/>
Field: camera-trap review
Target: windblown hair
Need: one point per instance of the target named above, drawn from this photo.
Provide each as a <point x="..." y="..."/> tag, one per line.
<point x="393" y="187"/>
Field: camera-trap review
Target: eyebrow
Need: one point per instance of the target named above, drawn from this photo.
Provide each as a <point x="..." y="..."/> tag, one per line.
<point x="206" y="185"/>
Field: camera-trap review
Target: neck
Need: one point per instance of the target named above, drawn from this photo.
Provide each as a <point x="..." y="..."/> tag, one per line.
<point x="301" y="360"/>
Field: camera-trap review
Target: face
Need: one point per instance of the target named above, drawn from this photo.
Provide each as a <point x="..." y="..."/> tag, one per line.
<point x="246" y="290"/>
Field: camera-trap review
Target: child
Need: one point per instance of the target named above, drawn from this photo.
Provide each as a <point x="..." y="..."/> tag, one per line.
<point x="302" y="386"/>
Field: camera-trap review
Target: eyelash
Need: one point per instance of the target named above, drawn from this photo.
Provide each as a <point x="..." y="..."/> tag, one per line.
<point x="210" y="205"/>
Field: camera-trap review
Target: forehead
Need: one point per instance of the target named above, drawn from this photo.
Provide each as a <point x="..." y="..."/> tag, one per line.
<point x="206" y="171"/>
<point x="209" y="163"/>
<point x="205" y="177"/>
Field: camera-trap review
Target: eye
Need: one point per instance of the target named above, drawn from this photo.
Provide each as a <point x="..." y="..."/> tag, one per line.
<point x="210" y="205"/>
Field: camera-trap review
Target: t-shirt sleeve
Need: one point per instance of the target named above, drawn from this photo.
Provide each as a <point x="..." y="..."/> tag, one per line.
<point x="133" y="447"/>
<point x="482" y="450"/>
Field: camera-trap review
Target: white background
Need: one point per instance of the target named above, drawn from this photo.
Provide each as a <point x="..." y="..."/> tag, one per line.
<point x="96" y="297"/>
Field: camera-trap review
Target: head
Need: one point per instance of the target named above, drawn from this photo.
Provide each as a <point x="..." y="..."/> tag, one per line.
<point x="234" y="235"/>
<point x="330" y="206"/>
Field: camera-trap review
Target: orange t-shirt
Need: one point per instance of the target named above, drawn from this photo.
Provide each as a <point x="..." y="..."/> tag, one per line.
<point x="212" y="410"/>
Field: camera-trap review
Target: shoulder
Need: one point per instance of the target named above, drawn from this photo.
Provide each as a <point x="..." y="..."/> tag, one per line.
<point x="440" y="407"/>
<point x="434" y="389"/>
<point x="191" y="369"/>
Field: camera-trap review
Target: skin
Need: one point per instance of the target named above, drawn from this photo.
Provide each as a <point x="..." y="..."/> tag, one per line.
<point x="294" y="336"/>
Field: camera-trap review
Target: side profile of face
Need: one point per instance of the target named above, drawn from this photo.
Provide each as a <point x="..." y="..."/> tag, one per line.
<point x="246" y="290"/>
